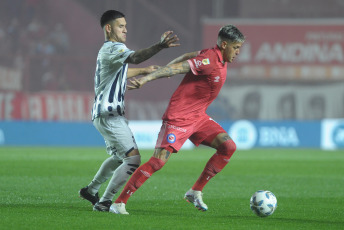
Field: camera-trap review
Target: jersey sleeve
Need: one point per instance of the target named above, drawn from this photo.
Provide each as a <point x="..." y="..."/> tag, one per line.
<point x="118" y="53"/>
<point x="201" y="64"/>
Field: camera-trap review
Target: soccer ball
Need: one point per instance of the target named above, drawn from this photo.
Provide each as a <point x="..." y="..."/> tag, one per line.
<point x="263" y="203"/>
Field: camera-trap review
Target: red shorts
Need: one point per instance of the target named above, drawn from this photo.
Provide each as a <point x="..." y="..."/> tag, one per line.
<point x="172" y="136"/>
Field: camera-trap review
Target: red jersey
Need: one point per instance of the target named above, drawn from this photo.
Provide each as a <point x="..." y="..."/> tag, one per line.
<point x="199" y="88"/>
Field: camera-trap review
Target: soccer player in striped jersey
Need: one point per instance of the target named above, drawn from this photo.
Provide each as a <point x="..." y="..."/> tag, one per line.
<point x="186" y="118"/>
<point x="108" y="111"/>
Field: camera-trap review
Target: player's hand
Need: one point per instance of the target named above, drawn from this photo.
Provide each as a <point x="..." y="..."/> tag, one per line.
<point x="137" y="83"/>
<point x="168" y="40"/>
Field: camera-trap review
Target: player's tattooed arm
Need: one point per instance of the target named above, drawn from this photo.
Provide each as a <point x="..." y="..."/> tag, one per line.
<point x="133" y="72"/>
<point x="170" y="70"/>
<point x="183" y="57"/>
<point x="142" y="55"/>
<point x="167" y="71"/>
<point x="167" y="40"/>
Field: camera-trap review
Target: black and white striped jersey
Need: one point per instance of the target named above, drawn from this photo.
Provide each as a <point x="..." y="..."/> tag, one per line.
<point x="110" y="80"/>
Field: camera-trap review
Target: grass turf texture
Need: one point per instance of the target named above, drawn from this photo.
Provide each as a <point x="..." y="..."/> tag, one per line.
<point x="39" y="190"/>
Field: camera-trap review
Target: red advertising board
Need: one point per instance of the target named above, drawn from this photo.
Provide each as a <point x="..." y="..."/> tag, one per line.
<point x="50" y="106"/>
<point x="285" y="49"/>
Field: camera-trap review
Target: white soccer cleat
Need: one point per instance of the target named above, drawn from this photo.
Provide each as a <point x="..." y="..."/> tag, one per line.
<point x="195" y="197"/>
<point x="118" y="208"/>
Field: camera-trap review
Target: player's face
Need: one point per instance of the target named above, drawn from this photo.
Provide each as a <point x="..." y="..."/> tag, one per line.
<point x="118" y="30"/>
<point x="231" y="50"/>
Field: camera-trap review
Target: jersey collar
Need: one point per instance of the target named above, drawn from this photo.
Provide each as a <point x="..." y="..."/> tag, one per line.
<point x="218" y="52"/>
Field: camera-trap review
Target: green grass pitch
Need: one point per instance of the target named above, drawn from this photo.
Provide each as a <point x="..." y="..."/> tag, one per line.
<point x="39" y="190"/>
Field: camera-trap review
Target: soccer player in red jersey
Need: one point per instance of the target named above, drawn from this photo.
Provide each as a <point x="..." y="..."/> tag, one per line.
<point x="186" y="118"/>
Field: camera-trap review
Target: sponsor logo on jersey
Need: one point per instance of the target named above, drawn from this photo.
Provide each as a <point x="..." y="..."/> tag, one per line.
<point x="198" y="63"/>
<point x="171" y="138"/>
<point x="176" y="128"/>
<point x="217" y="79"/>
<point x="206" y="61"/>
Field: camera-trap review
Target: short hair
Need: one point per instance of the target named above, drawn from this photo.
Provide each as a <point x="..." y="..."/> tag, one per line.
<point x="109" y="16"/>
<point x="231" y="34"/>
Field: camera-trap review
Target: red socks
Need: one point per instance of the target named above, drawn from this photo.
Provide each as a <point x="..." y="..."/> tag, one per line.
<point x="139" y="177"/>
<point x="215" y="164"/>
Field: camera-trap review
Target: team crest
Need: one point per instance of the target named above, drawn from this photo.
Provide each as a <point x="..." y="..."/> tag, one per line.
<point x="206" y="61"/>
<point x="171" y="138"/>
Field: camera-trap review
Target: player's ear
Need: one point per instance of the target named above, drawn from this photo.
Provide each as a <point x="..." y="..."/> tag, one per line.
<point x="224" y="44"/>
<point x="107" y="28"/>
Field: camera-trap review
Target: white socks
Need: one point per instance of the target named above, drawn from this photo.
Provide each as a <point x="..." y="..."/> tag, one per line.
<point x="120" y="176"/>
<point x="105" y="171"/>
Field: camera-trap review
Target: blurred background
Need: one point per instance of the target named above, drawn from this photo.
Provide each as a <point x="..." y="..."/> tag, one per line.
<point x="286" y="89"/>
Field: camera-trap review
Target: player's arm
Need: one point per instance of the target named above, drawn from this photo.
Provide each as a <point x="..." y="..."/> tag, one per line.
<point x="183" y="57"/>
<point x="167" y="40"/>
<point x="133" y="72"/>
<point x="167" y="71"/>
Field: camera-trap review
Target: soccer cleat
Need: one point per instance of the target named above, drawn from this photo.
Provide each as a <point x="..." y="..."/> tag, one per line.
<point x="118" y="208"/>
<point x="195" y="197"/>
<point x="102" y="206"/>
<point x="84" y="194"/>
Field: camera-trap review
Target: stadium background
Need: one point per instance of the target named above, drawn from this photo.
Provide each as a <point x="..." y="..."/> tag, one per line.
<point x="285" y="90"/>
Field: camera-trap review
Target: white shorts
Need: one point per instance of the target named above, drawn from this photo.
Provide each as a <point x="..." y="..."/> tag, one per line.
<point x="118" y="137"/>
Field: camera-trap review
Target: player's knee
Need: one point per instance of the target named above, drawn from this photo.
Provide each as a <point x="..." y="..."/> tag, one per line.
<point x="133" y="152"/>
<point x="227" y="148"/>
<point x="133" y="160"/>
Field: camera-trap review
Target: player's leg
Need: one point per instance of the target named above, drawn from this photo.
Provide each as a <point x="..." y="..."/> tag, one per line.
<point x="120" y="176"/>
<point x="225" y="147"/>
<point x="122" y="144"/>
<point x="145" y="171"/>
<point x="213" y="135"/>
<point x="170" y="139"/>
<point x="105" y="171"/>
<point x="107" y="168"/>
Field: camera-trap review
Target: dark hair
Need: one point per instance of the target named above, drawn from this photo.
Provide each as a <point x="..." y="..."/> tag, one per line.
<point x="109" y="16"/>
<point x="231" y="33"/>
